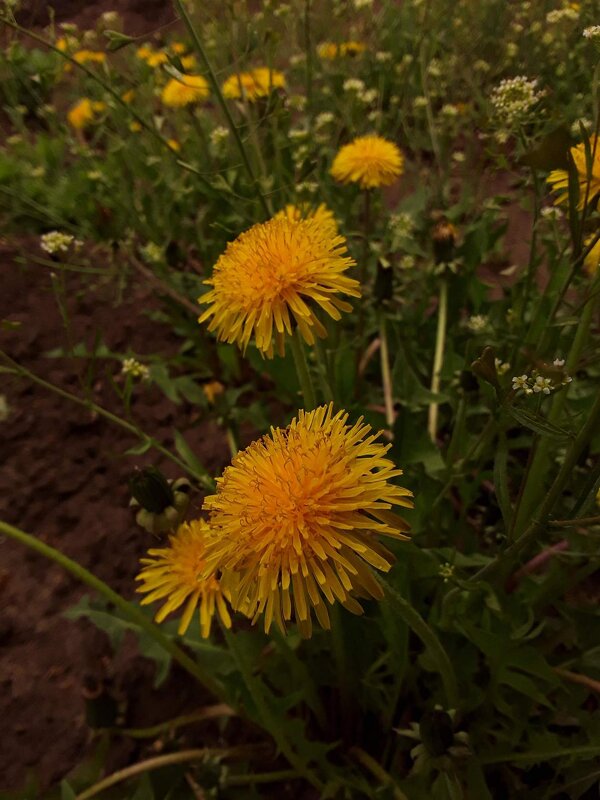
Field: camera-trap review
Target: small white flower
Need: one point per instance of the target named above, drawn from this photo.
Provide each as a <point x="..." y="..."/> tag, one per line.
<point x="551" y="212"/>
<point x="459" y="157"/>
<point x="152" y="253"/>
<point x="513" y="98"/>
<point x="559" y="362"/>
<point x="354" y="85"/>
<point x="323" y="119"/>
<point x="134" y="368"/>
<point x="593" y="32"/>
<point x="501" y="366"/>
<point x="446" y="571"/>
<point x="520" y="382"/>
<point x="383" y="56"/>
<point x="449" y="110"/>
<point x="477" y="323"/>
<point x="542" y="385"/>
<point x="56" y="242"/>
<point x="219" y="135"/>
<point x="407" y="262"/>
<point x="420" y="102"/>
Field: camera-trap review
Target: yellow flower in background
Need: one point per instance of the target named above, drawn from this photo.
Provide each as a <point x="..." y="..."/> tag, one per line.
<point x="189" y="62"/>
<point x="179" y="48"/>
<point x="176" y="573"/>
<point x="89" y="57"/>
<point x="174" y="145"/>
<point x="252" y="85"/>
<point x="156" y="59"/>
<point x="559" y="178"/>
<point x="128" y="96"/>
<point x="370" y="161"/>
<point x="135" y="126"/>
<point x="185" y="90"/>
<point x="329" y="50"/>
<point x="321" y="214"/>
<point x="62" y="44"/>
<point x="83" y="113"/>
<point x="296" y="517"/>
<point x="212" y="390"/>
<point x="269" y="280"/>
<point x="592" y="260"/>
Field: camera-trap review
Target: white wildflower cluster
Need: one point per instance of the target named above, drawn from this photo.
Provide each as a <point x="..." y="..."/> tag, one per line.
<point x="407" y="262"/>
<point x="449" y="110"/>
<point x="593" y="32"/>
<point x="298" y="134"/>
<point x="540" y="384"/>
<point x="135" y="369"/>
<point x="358" y="4"/>
<point x="354" y="85"/>
<point x="552" y="213"/>
<point x="561" y="15"/>
<point x="152" y="253"/>
<point x="401" y="225"/>
<point x="218" y="136"/>
<point x="307" y="187"/>
<point x="477" y="323"/>
<point x="420" y="102"/>
<point x="501" y="366"/>
<point x="324" y="119"/>
<point x="383" y="56"/>
<point x="446" y="571"/>
<point x="56" y="242"/>
<point x="297" y="59"/>
<point x="434" y="68"/>
<point x="513" y="98"/>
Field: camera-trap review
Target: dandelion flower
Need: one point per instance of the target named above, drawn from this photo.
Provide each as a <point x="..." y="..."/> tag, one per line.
<point x="321" y="214"/>
<point x="329" y="50"/>
<point x="252" y="85"/>
<point x="272" y="269"/>
<point x="369" y="161"/>
<point x="89" y="57"/>
<point x="559" y="178"/>
<point x="176" y="573"/>
<point x="183" y="91"/>
<point x="296" y="517"/>
<point x="83" y="112"/>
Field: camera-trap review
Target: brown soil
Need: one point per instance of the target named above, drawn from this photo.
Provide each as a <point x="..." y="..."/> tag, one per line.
<point x="63" y="477"/>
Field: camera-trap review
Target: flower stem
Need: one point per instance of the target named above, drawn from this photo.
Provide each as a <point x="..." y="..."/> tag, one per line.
<point x="302" y="371"/>
<point x="438" y="358"/>
<point x="128" y="609"/>
<point x="179" y="5"/>
<point x="421" y="629"/>
<point x="386" y="375"/>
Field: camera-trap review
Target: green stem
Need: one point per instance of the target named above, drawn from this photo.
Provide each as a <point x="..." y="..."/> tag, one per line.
<point x="383" y="777"/>
<point x="438" y="357"/>
<point x="211" y="712"/>
<point x="364" y="276"/>
<point x="129" y="610"/>
<point x="421" y="629"/>
<point x="386" y="375"/>
<point x="179" y="5"/>
<point x="158" y="762"/>
<point x="309" y="59"/>
<point x="268" y="720"/>
<point x="260" y="777"/>
<point x="302" y="371"/>
<point x="539" y="757"/>
<point x="203" y="478"/>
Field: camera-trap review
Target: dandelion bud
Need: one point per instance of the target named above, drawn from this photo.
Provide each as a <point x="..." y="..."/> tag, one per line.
<point x="436" y="732"/>
<point x="151" y="490"/>
<point x="444" y="240"/>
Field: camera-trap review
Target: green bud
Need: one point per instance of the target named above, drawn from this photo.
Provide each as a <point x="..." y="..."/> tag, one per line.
<point x="117" y="40"/>
<point x="151" y="490"/>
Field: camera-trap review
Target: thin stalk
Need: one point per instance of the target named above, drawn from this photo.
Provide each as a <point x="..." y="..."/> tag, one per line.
<point x="421" y="629"/>
<point x="179" y="5"/>
<point x="438" y="357"/>
<point x="386" y="374"/>
<point x="131" y="611"/>
<point x="203" y="478"/>
<point x="261" y="777"/>
<point x="383" y="777"/>
<point x="309" y="59"/>
<point x="302" y="371"/>
<point x="343" y="671"/>
<point x="210" y="712"/>
<point x="534" y="477"/>
<point x="158" y="762"/>
<point x="363" y="267"/>
<point x="269" y="721"/>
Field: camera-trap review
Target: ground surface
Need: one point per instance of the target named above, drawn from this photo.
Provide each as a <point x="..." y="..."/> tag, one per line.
<point x="63" y="478"/>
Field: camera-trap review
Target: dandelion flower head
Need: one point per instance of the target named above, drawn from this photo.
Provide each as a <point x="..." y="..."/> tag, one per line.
<point x="370" y="161"/>
<point x="252" y="85"/>
<point x="184" y="90"/>
<point x="329" y="50"/>
<point x="89" y="57"/>
<point x="589" y="186"/>
<point x="176" y="574"/>
<point x="296" y="518"/>
<point x="272" y="276"/>
<point x="321" y="214"/>
<point x="83" y="112"/>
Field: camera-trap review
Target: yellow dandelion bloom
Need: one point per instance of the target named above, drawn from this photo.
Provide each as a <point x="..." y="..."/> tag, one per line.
<point x="157" y="59"/>
<point x="179" y="48"/>
<point x="296" y="518"/>
<point x="144" y="51"/>
<point x="189" y="62"/>
<point x="89" y="57"/>
<point x="252" y="85"/>
<point x="369" y="161"/>
<point x="592" y="260"/>
<point x="82" y="113"/>
<point x="174" y="145"/>
<point x="185" y="90"/>
<point x="329" y="50"/>
<point x="212" y="390"/>
<point x="62" y="44"/>
<point x="320" y="214"/>
<point x="135" y="126"/>
<point x="275" y="268"/>
<point x="176" y="573"/>
<point x="559" y="178"/>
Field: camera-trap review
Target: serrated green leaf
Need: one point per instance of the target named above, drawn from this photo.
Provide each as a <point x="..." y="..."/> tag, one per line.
<point x="501" y="480"/>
